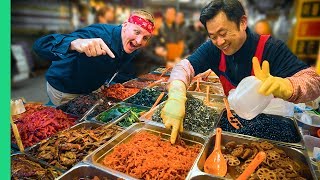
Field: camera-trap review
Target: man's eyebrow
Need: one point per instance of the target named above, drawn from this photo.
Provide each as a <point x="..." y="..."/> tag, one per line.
<point x="222" y="29"/>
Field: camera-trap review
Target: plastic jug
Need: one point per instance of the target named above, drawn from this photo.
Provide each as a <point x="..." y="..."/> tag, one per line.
<point x="246" y="101"/>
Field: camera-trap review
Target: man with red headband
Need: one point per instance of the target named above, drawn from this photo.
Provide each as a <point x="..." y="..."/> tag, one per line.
<point x="84" y="59"/>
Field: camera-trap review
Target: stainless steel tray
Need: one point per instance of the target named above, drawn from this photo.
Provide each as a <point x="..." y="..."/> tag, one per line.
<point x="117" y="106"/>
<point x="86" y="124"/>
<point x="97" y="156"/>
<point x="299" y="145"/>
<point x="125" y="84"/>
<point x="216" y="101"/>
<point x="87" y="171"/>
<point x="157" y="71"/>
<point x="55" y="172"/>
<point x="215" y="88"/>
<point x="297" y="155"/>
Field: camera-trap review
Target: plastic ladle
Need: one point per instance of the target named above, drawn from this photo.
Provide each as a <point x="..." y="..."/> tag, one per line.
<point x="215" y="163"/>
<point x="252" y="166"/>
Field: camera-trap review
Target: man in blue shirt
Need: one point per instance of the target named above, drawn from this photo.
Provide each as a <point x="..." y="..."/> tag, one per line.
<point x="84" y="59"/>
<point x="233" y="53"/>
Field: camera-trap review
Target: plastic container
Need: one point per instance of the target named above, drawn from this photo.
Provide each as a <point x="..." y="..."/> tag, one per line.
<point x="246" y="101"/>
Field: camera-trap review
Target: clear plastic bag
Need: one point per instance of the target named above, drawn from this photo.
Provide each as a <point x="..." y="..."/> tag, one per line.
<point x="246" y="101"/>
<point x="280" y="107"/>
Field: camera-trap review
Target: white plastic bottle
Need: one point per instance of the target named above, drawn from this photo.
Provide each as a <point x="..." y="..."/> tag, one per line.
<point x="246" y="101"/>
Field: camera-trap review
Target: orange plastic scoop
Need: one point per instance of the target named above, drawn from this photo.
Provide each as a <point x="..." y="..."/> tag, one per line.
<point x="252" y="166"/>
<point x="215" y="163"/>
<point x="232" y="120"/>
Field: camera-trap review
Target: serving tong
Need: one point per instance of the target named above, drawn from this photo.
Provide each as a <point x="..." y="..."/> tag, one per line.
<point x="232" y="120"/>
<point x="89" y="111"/>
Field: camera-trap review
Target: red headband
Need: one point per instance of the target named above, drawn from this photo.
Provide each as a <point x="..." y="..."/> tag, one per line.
<point x="145" y="24"/>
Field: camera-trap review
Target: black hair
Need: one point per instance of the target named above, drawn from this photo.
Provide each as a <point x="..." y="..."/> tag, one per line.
<point x="232" y="8"/>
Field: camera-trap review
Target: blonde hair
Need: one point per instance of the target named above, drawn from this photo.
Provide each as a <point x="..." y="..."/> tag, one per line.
<point x="145" y="14"/>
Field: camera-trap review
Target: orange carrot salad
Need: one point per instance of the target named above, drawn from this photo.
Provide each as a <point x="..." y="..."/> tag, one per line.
<point x="147" y="156"/>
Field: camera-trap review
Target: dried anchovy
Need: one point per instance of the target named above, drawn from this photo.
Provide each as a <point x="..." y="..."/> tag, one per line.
<point x="265" y="126"/>
<point x="199" y="117"/>
<point x="24" y="168"/>
<point x="146" y="97"/>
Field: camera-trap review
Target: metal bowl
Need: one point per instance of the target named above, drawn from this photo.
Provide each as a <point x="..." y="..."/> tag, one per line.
<point x="313" y="126"/>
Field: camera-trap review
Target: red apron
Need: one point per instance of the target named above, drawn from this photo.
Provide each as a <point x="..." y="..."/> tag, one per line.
<point x="226" y="84"/>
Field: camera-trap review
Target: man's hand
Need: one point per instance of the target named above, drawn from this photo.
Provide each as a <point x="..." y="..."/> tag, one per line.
<point x="279" y="87"/>
<point x="173" y="112"/>
<point x="91" y="47"/>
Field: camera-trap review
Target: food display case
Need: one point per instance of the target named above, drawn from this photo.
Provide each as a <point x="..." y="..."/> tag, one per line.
<point x="156" y="139"/>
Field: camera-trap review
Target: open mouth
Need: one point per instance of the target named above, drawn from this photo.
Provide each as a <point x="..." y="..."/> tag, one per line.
<point x="225" y="47"/>
<point x="133" y="46"/>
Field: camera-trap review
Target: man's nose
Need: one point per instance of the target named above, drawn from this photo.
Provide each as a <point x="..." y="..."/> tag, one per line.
<point x="139" y="39"/>
<point x="220" y="41"/>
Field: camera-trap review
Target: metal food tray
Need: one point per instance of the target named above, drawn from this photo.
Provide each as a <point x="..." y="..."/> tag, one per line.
<point x="296" y="154"/>
<point x="137" y="79"/>
<point x="86" y="171"/>
<point x="299" y="145"/>
<point x="148" y="115"/>
<point x="15" y="147"/>
<point x="157" y="72"/>
<point x="217" y="100"/>
<point x="122" y="115"/>
<point x="126" y="100"/>
<point x="56" y="172"/>
<point x="144" y="78"/>
<point x="215" y="88"/>
<point x="97" y="156"/>
<point x="87" y="124"/>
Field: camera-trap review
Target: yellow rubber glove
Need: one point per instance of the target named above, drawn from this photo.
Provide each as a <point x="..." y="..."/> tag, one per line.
<point x="173" y="111"/>
<point x="279" y="87"/>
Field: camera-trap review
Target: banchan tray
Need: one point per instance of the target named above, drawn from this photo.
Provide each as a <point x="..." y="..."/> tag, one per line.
<point x="214" y="88"/>
<point x="160" y="70"/>
<point x="291" y="122"/>
<point x="51" y="172"/>
<point x="216" y="101"/>
<point x="113" y="113"/>
<point x="137" y="83"/>
<point x="298" y="155"/>
<point x="146" y="99"/>
<point x="153" y="77"/>
<point x="87" y="172"/>
<point x="14" y="146"/>
<point x="204" y="126"/>
<point x="33" y="151"/>
<point x="97" y="156"/>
